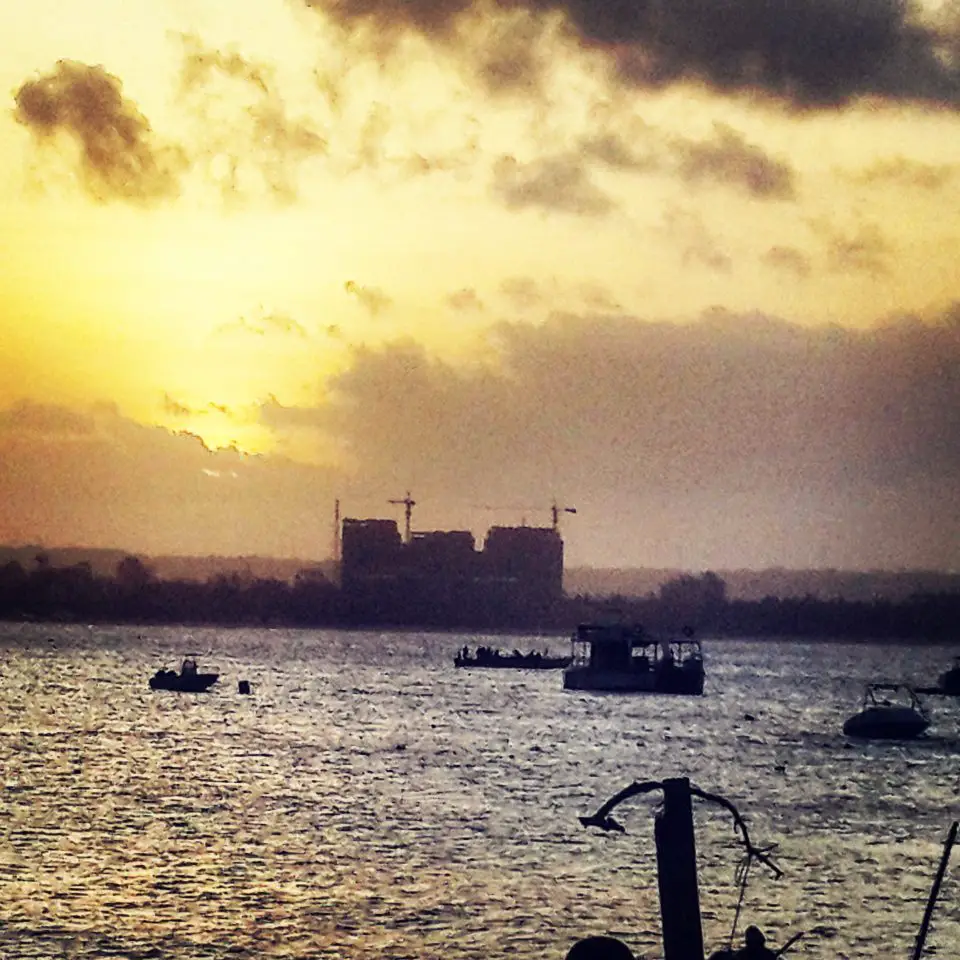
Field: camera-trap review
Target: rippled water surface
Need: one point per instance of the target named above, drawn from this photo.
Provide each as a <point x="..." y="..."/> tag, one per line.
<point x="369" y="800"/>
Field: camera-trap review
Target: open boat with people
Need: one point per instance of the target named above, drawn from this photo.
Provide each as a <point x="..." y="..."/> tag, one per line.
<point x="890" y="711"/>
<point x="624" y="658"/>
<point x="494" y="658"/>
<point x="188" y="680"/>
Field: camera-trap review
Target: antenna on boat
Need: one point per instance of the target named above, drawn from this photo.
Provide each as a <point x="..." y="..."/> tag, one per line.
<point x="408" y="510"/>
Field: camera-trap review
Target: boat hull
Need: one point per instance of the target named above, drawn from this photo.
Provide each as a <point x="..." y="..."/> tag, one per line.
<point x="886" y="723"/>
<point x="949" y="682"/>
<point x="689" y="683"/>
<point x="512" y="663"/>
<point x="197" y="683"/>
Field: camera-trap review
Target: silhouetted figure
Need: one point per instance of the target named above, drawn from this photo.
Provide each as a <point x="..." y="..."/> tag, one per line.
<point x="755" y="947"/>
<point x="600" y="948"/>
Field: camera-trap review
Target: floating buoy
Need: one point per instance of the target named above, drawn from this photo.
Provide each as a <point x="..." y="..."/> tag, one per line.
<point x="244" y="686"/>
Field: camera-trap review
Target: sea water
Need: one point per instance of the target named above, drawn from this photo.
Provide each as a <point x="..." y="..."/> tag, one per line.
<point x="369" y="800"/>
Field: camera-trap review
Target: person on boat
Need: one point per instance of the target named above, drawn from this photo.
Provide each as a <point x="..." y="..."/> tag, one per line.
<point x="666" y="655"/>
<point x="754" y="946"/>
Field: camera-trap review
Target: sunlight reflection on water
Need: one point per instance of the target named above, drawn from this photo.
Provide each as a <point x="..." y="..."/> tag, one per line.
<point x="369" y="800"/>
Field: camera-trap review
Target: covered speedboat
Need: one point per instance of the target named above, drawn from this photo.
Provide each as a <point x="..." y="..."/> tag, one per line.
<point x="890" y="711"/>
<point x="188" y="680"/>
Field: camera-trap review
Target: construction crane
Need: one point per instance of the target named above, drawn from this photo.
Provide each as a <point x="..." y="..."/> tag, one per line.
<point x="555" y="511"/>
<point x="408" y="510"/>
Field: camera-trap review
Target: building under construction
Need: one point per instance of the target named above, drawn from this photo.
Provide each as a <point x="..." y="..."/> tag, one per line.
<point x="440" y="576"/>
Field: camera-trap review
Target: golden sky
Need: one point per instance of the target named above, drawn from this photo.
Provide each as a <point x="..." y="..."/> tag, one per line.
<point x="686" y="267"/>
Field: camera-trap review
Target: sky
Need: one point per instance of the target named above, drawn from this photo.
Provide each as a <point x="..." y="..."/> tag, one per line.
<point x="687" y="268"/>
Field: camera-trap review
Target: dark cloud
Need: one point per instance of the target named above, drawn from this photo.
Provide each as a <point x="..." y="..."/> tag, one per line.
<point x="788" y="258"/>
<point x="901" y="172"/>
<point x="616" y="152"/>
<point x="44" y="419"/>
<point x="257" y="134"/>
<point x="120" y="156"/>
<point x="508" y="55"/>
<point x="280" y="417"/>
<point x="729" y="159"/>
<point x="558" y="184"/>
<point x="174" y="407"/>
<point x="465" y="300"/>
<point x="265" y="323"/>
<point x="686" y="229"/>
<point x="810" y="53"/>
<point x="596" y="298"/>
<point x="523" y="293"/>
<point x="372" y="299"/>
<point x="725" y="159"/>
<point x="200" y="61"/>
<point x="863" y="249"/>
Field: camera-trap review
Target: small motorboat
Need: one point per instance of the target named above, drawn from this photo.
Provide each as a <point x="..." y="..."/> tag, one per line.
<point x="890" y="711"/>
<point x="188" y="680"/>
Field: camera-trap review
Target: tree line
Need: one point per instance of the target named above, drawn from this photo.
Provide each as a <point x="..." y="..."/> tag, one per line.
<point x="133" y="594"/>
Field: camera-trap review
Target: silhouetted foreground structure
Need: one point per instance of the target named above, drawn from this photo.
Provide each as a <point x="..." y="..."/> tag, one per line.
<point x="677" y="882"/>
<point x="508" y="591"/>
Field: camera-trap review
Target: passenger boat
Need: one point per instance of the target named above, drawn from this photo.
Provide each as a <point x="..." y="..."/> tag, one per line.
<point x="494" y="658"/>
<point x="890" y="711"/>
<point x="623" y="658"/>
<point x="188" y="680"/>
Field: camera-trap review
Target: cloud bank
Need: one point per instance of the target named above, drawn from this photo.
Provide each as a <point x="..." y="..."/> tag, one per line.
<point x="120" y="157"/>
<point x="732" y="441"/>
<point x="808" y="53"/>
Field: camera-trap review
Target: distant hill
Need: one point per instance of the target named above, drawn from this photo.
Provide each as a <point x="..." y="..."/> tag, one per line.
<point x="104" y="563"/>
<point x="584" y="581"/>
<point x="773" y="582"/>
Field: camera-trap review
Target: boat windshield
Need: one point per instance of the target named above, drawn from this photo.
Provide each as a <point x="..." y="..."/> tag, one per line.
<point x="630" y="647"/>
<point x="891" y="695"/>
